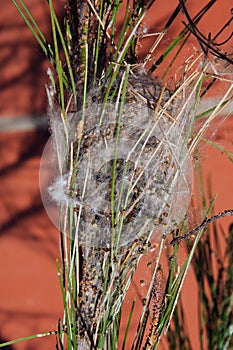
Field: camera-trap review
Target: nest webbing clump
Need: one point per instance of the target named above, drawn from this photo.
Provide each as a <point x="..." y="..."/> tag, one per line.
<point x="131" y="175"/>
<point x="137" y="160"/>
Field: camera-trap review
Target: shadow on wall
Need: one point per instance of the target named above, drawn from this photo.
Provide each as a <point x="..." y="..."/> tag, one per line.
<point x="22" y="62"/>
<point x="9" y="347"/>
<point x="21" y="204"/>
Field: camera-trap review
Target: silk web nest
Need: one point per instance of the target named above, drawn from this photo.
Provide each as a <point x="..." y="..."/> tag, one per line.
<point x="131" y="172"/>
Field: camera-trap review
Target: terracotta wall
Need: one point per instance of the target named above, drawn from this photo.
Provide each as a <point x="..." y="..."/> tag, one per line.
<point x="30" y="299"/>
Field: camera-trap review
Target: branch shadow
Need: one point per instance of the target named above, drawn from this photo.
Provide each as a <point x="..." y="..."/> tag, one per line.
<point x="30" y="147"/>
<point x="22" y="61"/>
<point x="8" y="347"/>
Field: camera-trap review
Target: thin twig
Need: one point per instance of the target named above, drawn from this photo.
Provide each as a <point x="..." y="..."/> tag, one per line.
<point x="205" y="222"/>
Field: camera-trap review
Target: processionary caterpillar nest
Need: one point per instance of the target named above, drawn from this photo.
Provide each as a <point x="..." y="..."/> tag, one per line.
<point x="136" y="158"/>
<point x="124" y="169"/>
